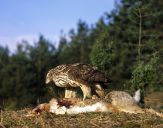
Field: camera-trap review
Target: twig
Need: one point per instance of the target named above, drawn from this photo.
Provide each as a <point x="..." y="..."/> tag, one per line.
<point x="1" y="125"/>
<point x="140" y="33"/>
<point x="91" y="122"/>
<point x="1" y="117"/>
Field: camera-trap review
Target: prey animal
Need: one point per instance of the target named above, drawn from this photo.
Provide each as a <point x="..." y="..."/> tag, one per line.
<point x="115" y="101"/>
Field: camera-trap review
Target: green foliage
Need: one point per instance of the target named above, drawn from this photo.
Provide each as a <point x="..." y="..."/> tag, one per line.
<point x="118" y="44"/>
<point x="23" y="73"/>
<point x="102" y="54"/>
<point x="145" y="76"/>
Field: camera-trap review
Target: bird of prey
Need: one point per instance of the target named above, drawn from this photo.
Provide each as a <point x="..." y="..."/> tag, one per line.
<point x="71" y="76"/>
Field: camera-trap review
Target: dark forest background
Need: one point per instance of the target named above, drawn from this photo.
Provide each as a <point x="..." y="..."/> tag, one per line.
<point x="126" y="44"/>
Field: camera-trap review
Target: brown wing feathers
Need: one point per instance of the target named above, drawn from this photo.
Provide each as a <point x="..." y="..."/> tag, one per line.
<point x="87" y="73"/>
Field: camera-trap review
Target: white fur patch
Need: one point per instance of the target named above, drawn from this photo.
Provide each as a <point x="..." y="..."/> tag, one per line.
<point x="99" y="106"/>
<point x="57" y="110"/>
<point x="53" y="108"/>
<point x="137" y="96"/>
<point x="61" y="110"/>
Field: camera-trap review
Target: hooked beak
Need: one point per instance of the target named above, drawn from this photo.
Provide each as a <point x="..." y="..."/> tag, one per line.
<point x="47" y="81"/>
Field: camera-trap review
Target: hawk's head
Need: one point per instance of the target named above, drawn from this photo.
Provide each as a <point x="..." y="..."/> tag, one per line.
<point x="48" y="77"/>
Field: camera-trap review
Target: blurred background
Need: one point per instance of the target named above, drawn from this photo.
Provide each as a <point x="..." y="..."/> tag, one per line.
<point x="123" y="38"/>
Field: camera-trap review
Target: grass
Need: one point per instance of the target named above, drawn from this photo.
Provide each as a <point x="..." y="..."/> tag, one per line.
<point x="17" y="119"/>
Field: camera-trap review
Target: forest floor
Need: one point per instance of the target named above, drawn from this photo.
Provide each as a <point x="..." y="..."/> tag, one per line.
<point x="18" y="119"/>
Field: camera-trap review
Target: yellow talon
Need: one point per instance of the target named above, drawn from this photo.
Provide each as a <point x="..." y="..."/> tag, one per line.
<point x="81" y="103"/>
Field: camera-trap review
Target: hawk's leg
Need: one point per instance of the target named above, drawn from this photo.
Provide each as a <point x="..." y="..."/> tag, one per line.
<point x="99" y="90"/>
<point x="70" y="93"/>
<point x="86" y="91"/>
